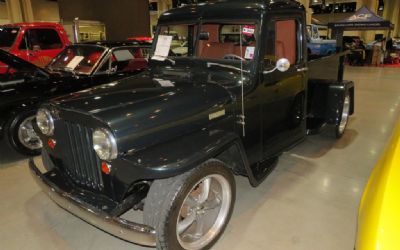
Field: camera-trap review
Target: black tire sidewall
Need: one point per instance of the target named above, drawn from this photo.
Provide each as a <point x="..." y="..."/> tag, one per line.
<point x="11" y="133"/>
<point x="168" y="226"/>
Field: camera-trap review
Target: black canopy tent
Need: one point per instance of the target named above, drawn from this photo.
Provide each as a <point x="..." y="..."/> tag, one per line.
<point x="363" y="19"/>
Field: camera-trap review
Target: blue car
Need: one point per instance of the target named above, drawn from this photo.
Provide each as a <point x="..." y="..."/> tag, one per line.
<point x="317" y="46"/>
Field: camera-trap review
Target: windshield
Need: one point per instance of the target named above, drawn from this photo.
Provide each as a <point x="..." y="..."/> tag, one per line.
<point x="213" y="41"/>
<point x="8" y="36"/>
<point x="81" y="59"/>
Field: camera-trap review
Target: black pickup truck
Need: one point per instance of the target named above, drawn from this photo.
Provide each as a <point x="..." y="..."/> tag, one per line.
<point x="168" y="142"/>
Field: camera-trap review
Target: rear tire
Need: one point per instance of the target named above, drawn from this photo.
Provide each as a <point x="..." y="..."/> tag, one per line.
<point x="191" y="211"/>
<point x="344" y="117"/>
<point x="20" y="135"/>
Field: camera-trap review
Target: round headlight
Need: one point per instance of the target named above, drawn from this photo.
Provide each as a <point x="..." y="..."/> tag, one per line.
<point x="45" y="122"/>
<point x="104" y="144"/>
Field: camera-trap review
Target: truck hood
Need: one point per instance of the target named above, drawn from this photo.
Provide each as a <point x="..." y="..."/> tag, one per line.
<point x="145" y="108"/>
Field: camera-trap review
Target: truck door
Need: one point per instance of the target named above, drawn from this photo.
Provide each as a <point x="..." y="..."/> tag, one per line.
<point x="283" y="108"/>
<point x="40" y="45"/>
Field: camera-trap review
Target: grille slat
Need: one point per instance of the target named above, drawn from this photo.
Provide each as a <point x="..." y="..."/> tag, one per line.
<point x="83" y="165"/>
<point x="92" y="161"/>
<point x="79" y="150"/>
<point x="71" y="158"/>
<point x="86" y="170"/>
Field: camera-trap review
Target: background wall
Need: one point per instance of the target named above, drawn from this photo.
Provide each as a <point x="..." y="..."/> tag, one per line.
<point x="3" y="14"/>
<point x="44" y="10"/>
<point x="123" y="18"/>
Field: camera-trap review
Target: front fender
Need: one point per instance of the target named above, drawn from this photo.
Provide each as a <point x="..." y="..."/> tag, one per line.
<point x="170" y="158"/>
<point x="177" y="156"/>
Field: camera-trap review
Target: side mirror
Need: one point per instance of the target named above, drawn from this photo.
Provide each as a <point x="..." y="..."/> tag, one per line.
<point x="282" y="65"/>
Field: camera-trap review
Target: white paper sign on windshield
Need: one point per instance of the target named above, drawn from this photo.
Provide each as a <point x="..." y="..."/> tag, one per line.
<point x="249" y="52"/>
<point x="75" y="61"/>
<point x="162" y="48"/>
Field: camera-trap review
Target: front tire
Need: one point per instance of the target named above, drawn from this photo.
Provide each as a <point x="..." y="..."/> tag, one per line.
<point x="191" y="211"/>
<point x="20" y="134"/>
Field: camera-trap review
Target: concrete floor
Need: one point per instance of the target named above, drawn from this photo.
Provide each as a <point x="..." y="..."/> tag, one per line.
<point x="309" y="202"/>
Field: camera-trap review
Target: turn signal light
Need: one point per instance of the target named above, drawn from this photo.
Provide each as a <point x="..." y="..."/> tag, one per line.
<point x="105" y="168"/>
<point x="51" y="143"/>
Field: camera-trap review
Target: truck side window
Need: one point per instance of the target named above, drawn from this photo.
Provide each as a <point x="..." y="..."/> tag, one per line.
<point x="285" y="40"/>
<point x="41" y="39"/>
<point x="281" y="42"/>
<point x="228" y="41"/>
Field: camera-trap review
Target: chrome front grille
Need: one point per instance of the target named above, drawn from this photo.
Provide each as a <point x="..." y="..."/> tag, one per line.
<point x="81" y="162"/>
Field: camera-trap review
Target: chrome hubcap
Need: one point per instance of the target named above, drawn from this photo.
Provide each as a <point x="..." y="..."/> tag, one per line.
<point x="345" y="114"/>
<point x="204" y="212"/>
<point x="27" y="135"/>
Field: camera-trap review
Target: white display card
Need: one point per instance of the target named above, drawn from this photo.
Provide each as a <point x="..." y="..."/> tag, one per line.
<point x="74" y="62"/>
<point x="162" y="48"/>
<point x="249" y="52"/>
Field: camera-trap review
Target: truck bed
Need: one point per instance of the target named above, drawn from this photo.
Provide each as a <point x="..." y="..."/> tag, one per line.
<point x="326" y="91"/>
<point x="325" y="68"/>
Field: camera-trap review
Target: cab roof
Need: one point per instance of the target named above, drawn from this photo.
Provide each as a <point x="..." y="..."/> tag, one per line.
<point x="243" y="9"/>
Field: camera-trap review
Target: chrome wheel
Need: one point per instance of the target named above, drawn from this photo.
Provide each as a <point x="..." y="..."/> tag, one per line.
<point x="27" y="135"/>
<point x="204" y="212"/>
<point x="345" y="115"/>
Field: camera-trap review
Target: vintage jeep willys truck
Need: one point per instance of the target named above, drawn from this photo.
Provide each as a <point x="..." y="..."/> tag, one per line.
<point x="168" y="142"/>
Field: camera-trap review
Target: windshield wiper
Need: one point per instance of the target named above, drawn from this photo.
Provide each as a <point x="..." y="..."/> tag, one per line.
<point x="68" y="70"/>
<point x="210" y="64"/>
<point x="162" y="59"/>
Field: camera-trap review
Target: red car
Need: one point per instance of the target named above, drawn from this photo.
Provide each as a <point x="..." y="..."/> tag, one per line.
<point x="37" y="42"/>
<point x="141" y="39"/>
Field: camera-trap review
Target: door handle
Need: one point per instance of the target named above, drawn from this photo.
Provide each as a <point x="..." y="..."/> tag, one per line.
<point x="302" y="69"/>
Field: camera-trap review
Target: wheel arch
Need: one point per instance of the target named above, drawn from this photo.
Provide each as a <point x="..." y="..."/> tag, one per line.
<point x="11" y="112"/>
<point x="326" y="98"/>
<point x="335" y="100"/>
<point x="162" y="161"/>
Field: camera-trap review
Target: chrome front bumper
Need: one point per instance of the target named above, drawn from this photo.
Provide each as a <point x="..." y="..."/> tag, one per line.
<point x="121" y="228"/>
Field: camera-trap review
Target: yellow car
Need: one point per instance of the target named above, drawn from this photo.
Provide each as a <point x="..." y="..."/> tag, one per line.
<point x="379" y="212"/>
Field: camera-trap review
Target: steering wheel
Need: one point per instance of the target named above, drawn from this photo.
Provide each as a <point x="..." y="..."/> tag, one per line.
<point x="233" y="57"/>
